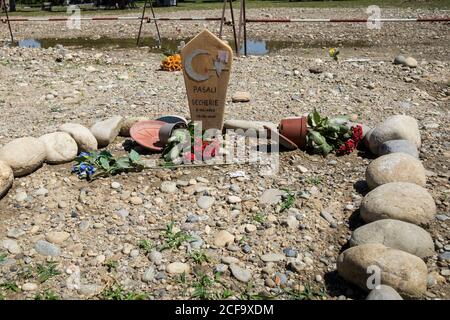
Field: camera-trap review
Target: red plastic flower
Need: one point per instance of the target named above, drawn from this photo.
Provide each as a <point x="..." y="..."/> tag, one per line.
<point x="351" y="144"/>
<point x="357" y="133"/>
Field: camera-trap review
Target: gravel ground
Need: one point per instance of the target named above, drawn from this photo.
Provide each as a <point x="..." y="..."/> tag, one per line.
<point x="106" y="222"/>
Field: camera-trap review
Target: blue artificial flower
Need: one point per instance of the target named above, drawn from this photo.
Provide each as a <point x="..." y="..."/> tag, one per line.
<point x="90" y="170"/>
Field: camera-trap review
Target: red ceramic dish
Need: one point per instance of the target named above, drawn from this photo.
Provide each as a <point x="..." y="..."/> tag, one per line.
<point x="146" y="133"/>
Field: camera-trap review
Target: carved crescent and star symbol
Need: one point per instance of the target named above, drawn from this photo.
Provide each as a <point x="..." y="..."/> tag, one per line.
<point x="219" y="64"/>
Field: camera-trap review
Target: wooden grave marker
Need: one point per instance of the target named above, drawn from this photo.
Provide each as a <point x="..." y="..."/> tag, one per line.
<point x="206" y="67"/>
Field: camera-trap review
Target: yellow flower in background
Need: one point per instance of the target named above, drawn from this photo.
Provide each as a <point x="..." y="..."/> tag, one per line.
<point x="333" y="52"/>
<point x="171" y="63"/>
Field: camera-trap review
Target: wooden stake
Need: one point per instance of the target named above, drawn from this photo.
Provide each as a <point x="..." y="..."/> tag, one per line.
<point x="7" y="19"/>
<point x="142" y="21"/>
<point x="223" y="19"/>
<point x="234" y="26"/>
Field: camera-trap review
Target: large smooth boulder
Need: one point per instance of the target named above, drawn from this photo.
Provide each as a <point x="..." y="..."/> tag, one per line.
<point x="398" y="200"/>
<point x="128" y="123"/>
<point x="395" y="167"/>
<point x="60" y="147"/>
<point x="6" y="178"/>
<point x="403" y="271"/>
<point x="398" y="127"/>
<point x="23" y="155"/>
<point x="394" y="146"/>
<point x="83" y="137"/>
<point x="384" y="293"/>
<point x="397" y="235"/>
<point x="107" y="130"/>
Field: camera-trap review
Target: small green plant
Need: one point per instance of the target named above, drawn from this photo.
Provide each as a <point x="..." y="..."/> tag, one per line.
<point x="309" y="293"/>
<point x="47" y="271"/>
<point x="10" y="286"/>
<point x="199" y="257"/>
<point x="118" y="293"/>
<point x="174" y="239"/>
<point x="182" y="278"/>
<point x="146" y="246"/>
<point x="2" y="297"/>
<point x="47" y="295"/>
<point x="249" y="294"/>
<point x="2" y="257"/>
<point x="288" y="201"/>
<point x="204" y="288"/>
<point x="111" y="265"/>
<point x="314" y="180"/>
<point x="25" y="273"/>
<point x="259" y="217"/>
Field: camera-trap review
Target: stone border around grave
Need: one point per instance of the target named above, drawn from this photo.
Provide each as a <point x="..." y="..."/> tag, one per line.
<point x="387" y="246"/>
<point x="23" y="156"/>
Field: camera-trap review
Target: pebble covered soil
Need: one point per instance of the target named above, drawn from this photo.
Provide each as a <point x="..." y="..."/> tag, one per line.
<point x="165" y="234"/>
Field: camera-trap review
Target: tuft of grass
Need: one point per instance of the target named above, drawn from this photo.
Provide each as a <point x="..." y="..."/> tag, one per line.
<point x="199" y="257"/>
<point x="25" y="273"/>
<point x="47" y="295"/>
<point x="249" y="294"/>
<point x="205" y="288"/>
<point x="2" y="257"/>
<point x="174" y="239"/>
<point x="2" y="297"/>
<point x="111" y="265"/>
<point x="118" y="293"/>
<point x="259" y="217"/>
<point x="47" y="271"/>
<point x="10" y="286"/>
<point x="288" y="200"/>
<point x="314" y="180"/>
<point x="146" y="246"/>
<point x="310" y="293"/>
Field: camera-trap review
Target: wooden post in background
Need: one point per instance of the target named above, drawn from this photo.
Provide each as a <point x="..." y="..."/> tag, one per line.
<point x="3" y="5"/>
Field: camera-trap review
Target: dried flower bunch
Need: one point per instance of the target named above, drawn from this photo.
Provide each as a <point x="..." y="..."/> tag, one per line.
<point x="171" y="63"/>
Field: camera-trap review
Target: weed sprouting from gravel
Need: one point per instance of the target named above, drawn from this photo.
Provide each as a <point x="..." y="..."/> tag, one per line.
<point x="146" y="246"/>
<point x="314" y="180"/>
<point x="2" y="257"/>
<point x="10" y="286"/>
<point x="288" y="201"/>
<point x="249" y="294"/>
<point x="111" y="265"/>
<point x="199" y="257"/>
<point x="259" y="217"/>
<point x="204" y="288"/>
<point x="47" y="295"/>
<point x="174" y="239"/>
<point x="47" y="271"/>
<point x="25" y="273"/>
<point x="118" y="293"/>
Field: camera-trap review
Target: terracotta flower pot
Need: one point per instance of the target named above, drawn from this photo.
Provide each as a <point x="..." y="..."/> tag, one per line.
<point x="295" y="129"/>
